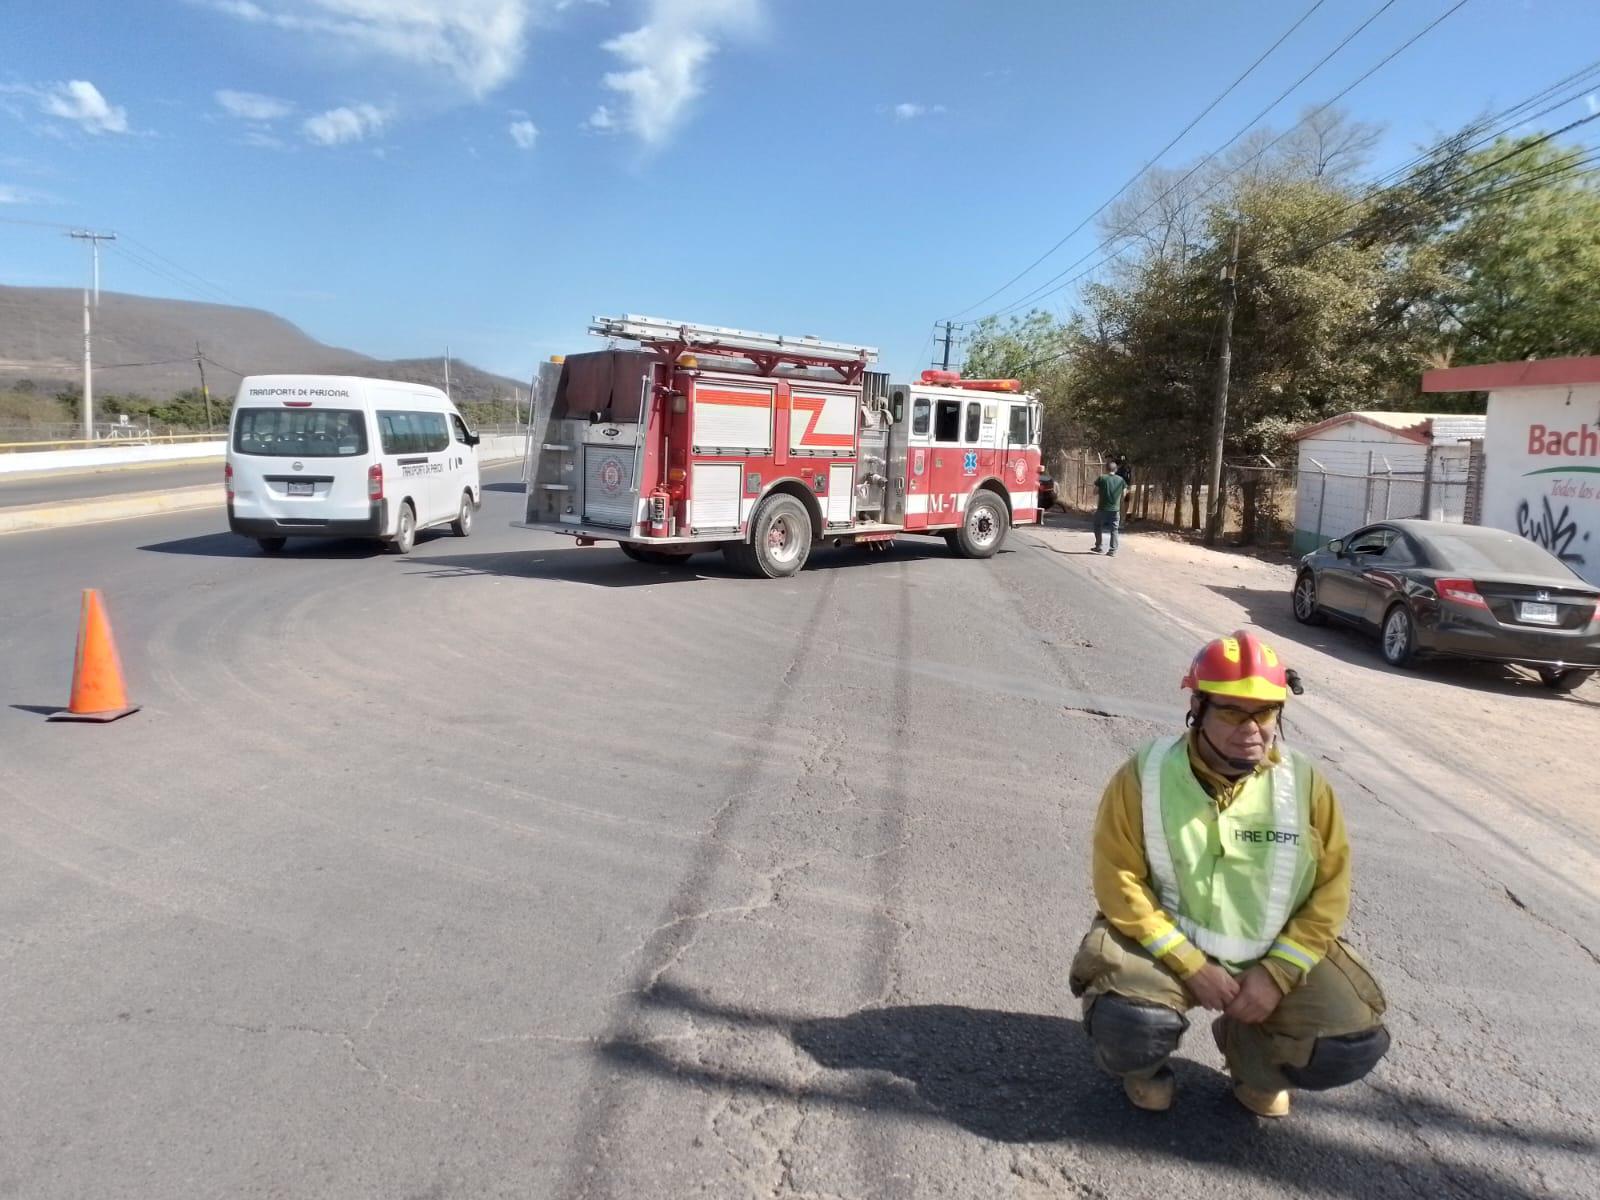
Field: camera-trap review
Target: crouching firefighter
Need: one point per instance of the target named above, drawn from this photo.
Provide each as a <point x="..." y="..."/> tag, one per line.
<point x="1222" y="876"/>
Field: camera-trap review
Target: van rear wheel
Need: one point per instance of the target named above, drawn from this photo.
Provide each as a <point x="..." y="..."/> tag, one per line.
<point x="462" y="525"/>
<point x="272" y="545"/>
<point x="405" y="530"/>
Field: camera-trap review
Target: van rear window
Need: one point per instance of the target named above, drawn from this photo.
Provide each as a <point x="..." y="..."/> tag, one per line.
<point x="300" y="432"/>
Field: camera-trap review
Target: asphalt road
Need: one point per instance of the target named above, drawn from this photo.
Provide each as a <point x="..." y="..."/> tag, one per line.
<point x="511" y="868"/>
<point x="85" y="485"/>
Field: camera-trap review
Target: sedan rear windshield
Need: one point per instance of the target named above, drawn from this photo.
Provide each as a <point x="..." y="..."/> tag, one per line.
<point x="300" y="432"/>
<point x="1509" y="555"/>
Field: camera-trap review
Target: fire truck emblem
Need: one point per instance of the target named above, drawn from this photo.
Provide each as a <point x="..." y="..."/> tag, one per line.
<point x="969" y="463"/>
<point x="611" y="475"/>
<point x="1021" y="469"/>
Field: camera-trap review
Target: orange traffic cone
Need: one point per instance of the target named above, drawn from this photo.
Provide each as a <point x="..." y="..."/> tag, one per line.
<point x="97" y="691"/>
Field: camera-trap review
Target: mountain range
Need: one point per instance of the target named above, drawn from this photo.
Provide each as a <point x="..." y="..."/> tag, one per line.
<point x="147" y="346"/>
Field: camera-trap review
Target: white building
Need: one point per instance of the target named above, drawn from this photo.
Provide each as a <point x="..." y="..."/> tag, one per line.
<point x="1541" y="451"/>
<point x="1360" y="467"/>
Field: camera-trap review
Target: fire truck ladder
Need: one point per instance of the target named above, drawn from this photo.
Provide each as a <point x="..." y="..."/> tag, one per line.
<point x="767" y="350"/>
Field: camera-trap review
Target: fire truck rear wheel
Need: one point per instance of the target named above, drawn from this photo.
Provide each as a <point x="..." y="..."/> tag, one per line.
<point x="780" y="540"/>
<point x="983" y="526"/>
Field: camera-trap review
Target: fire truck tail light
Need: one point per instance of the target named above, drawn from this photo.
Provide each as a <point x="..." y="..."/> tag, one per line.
<point x="375" y="482"/>
<point x="1461" y="591"/>
<point x="677" y="475"/>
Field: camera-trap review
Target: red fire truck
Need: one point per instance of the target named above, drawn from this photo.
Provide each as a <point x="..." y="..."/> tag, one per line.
<point x="697" y="437"/>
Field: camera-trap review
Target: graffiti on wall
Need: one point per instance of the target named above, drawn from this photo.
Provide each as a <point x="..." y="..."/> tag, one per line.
<point x="1555" y="533"/>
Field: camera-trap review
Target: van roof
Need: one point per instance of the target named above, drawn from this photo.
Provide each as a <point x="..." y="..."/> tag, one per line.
<point x="309" y="387"/>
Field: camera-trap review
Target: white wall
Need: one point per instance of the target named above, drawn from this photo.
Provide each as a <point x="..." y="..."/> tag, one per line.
<point x="108" y="457"/>
<point x="1349" y="452"/>
<point x="1554" y="499"/>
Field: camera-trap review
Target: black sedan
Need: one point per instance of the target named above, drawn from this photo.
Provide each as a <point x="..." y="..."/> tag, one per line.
<point x="1463" y="591"/>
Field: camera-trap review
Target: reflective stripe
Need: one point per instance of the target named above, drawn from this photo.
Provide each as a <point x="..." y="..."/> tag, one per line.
<point x="1285" y="854"/>
<point x="1293" y="953"/>
<point x="1222" y="945"/>
<point x="1164" y="943"/>
<point x="1156" y="851"/>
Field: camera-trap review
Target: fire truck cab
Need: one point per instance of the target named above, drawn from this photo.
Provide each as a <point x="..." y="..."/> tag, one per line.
<point x="700" y="437"/>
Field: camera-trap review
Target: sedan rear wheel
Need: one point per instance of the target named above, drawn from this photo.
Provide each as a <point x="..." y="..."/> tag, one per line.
<point x="1399" y="637"/>
<point x="1569" y="680"/>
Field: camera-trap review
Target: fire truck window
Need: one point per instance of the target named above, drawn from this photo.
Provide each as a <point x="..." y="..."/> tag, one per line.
<point x="947" y="421"/>
<point x="1019" y="425"/>
<point x="919" y="415"/>
<point x="974" y="422"/>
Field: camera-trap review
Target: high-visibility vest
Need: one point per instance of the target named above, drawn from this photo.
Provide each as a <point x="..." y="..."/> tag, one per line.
<point x="1229" y="878"/>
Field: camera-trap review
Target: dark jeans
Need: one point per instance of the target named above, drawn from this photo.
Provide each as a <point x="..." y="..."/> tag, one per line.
<point x="1106" y="520"/>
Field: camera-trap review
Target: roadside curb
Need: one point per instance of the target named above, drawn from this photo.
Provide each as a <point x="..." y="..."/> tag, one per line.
<point x="29" y="518"/>
<point x="64" y="514"/>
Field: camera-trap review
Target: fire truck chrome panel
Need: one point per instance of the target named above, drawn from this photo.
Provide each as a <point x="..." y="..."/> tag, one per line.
<point x="716" y="488"/>
<point x="608" y="490"/>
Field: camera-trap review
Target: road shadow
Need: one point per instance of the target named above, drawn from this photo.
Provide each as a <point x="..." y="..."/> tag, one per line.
<point x="41" y="710"/>
<point x="1029" y="1078"/>
<point x="514" y="485"/>
<point x="607" y="566"/>
<point x="1271" y="609"/>
<point x="231" y="545"/>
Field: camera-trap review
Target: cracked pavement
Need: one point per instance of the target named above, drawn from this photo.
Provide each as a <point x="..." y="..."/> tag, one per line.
<point x="518" y="869"/>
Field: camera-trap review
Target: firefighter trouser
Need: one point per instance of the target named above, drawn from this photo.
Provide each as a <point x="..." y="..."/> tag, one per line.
<point x="1338" y="999"/>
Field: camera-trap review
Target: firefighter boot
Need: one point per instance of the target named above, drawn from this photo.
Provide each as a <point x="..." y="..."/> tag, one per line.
<point x="1152" y="1094"/>
<point x="1262" y="1103"/>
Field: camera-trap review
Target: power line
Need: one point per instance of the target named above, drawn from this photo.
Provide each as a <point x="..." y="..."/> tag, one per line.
<point x="1046" y="288"/>
<point x="184" y="270"/>
<point x="1156" y="157"/>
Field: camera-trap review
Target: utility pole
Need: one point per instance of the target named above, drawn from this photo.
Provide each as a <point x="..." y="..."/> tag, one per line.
<point x="447" y="372"/>
<point x="94" y="240"/>
<point x="1219" y="408"/>
<point x="200" y="364"/>
<point x="949" y="333"/>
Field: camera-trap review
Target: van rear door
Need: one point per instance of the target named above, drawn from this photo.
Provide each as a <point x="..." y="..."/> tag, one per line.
<point x="297" y="460"/>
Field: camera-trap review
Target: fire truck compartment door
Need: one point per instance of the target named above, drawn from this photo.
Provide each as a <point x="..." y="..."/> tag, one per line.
<point x="841" y="491"/>
<point x="608" y="486"/>
<point x="714" y="496"/>
<point x="823" y="422"/>
<point x="732" y="418"/>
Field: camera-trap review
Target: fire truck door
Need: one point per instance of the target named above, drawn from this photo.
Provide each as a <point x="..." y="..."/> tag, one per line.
<point x="918" y="463"/>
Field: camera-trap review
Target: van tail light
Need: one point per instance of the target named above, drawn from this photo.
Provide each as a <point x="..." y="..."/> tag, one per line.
<point x="227" y="478"/>
<point x="1461" y="591"/>
<point x="375" y="482"/>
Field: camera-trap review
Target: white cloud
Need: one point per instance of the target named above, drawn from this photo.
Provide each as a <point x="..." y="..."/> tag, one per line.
<point x="340" y="125"/>
<point x="251" y="106"/>
<point x="80" y="101"/>
<point x="602" y="120"/>
<point x="666" y="59"/>
<point x="910" y="111"/>
<point x="524" y="134"/>
<point x="479" y="43"/>
<point x="10" y="194"/>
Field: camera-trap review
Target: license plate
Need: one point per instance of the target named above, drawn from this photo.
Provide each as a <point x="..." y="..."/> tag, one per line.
<point x="1539" y="614"/>
<point x="307" y="489"/>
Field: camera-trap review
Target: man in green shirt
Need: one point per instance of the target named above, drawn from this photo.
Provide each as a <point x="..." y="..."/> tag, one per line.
<point x="1108" y="512"/>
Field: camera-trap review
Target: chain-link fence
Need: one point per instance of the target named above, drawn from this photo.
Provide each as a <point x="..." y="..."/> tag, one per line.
<point x="1299" y="508"/>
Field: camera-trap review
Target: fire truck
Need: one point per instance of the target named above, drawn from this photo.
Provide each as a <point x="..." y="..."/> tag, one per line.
<point x="680" y="438"/>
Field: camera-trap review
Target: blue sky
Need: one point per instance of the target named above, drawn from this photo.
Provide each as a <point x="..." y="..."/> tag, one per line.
<point x="398" y="175"/>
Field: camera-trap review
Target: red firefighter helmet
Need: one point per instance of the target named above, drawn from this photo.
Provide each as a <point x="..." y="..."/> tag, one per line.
<point x="1240" y="664"/>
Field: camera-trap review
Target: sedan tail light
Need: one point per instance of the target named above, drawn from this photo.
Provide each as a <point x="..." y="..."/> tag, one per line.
<point x="1461" y="591"/>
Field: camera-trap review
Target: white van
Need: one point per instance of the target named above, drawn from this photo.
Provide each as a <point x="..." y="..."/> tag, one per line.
<point x="339" y="456"/>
